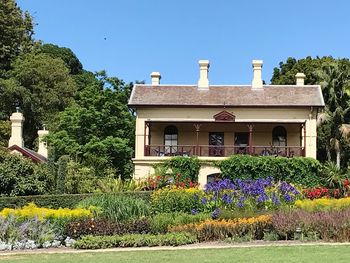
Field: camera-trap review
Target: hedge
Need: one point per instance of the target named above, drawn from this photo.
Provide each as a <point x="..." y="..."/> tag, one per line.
<point x="297" y="170"/>
<point x="57" y="201"/>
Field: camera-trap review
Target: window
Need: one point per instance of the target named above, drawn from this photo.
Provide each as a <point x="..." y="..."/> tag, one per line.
<point x="216" y="144"/>
<point x="279" y="136"/>
<point x="170" y="139"/>
<point x="241" y="141"/>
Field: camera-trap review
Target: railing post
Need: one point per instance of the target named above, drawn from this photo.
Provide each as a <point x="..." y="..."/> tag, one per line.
<point x="304" y="150"/>
<point x="197" y="126"/>
<point x="250" y="128"/>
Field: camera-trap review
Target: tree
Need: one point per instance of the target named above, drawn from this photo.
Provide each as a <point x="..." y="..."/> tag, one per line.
<point x="335" y="83"/>
<point x="285" y="74"/>
<point x="16" y="31"/>
<point x="20" y="176"/>
<point x="98" y="129"/>
<point x="41" y="86"/>
<point x="66" y="54"/>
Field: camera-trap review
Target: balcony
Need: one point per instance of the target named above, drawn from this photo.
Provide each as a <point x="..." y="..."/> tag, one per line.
<point x="222" y="151"/>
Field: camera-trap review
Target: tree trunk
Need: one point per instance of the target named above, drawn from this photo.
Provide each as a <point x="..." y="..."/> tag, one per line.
<point x="338" y="157"/>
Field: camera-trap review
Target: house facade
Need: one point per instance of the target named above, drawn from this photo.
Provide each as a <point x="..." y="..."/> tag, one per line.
<point x="217" y="121"/>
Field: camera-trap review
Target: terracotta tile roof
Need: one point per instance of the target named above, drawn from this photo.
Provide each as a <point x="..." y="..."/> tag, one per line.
<point x="36" y="157"/>
<point x="270" y="95"/>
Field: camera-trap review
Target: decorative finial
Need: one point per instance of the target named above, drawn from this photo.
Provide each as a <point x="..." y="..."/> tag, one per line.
<point x="17" y="108"/>
<point x="44" y="126"/>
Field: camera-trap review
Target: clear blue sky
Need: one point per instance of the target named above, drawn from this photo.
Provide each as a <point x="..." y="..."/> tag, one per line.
<point x="132" y="38"/>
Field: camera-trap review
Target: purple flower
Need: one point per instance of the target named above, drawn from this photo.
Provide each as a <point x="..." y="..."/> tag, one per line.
<point x="262" y="198"/>
<point x="275" y="199"/>
<point x="215" y="213"/>
<point x="194" y="211"/>
<point x="204" y="201"/>
<point x="288" y="198"/>
<point x="240" y="203"/>
<point x="227" y="199"/>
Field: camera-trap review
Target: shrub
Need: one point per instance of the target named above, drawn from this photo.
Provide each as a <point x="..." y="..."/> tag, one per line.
<point x="260" y="194"/>
<point x="57" y="201"/>
<point x="161" y="222"/>
<point x="323" y="204"/>
<point x="135" y="240"/>
<point x="20" y="176"/>
<point x="80" y="179"/>
<point x="297" y="170"/>
<point x="116" y="207"/>
<point x="169" y="200"/>
<point x="220" y="230"/>
<point x="103" y="227"/>
<point x="179" y="171"/>
<point x="326" y="225"/>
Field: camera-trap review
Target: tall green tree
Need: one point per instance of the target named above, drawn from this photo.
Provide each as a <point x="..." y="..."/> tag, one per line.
<point x="66" y="54"/>
<point x="98" y="130"/>
<point x="16" y="31"/>
<point x="335" y="83"/>
<point x="41" y="86"/>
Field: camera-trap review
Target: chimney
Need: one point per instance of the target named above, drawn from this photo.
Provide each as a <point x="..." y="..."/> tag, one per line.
<point x="203" y="82"/>
<point x="42" y="150"/>
<point x="155" y="77"/>
<point x="17" y="120"/>
<point x="300" y="77"/>
<point x="257" y="82"/>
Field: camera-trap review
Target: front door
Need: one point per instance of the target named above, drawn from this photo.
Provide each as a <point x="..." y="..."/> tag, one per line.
<point x="241" y="142"/>
<point x="216" y="144"/>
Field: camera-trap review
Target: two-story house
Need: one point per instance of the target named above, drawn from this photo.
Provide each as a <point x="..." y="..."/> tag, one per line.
<point x="217" y="121"/>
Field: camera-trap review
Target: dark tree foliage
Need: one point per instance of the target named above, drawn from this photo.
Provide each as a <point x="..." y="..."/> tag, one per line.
<point x="66" y="54"/>
<point x="16" y="30"/>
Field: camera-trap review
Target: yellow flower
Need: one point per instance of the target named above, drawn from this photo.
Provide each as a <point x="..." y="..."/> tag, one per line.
<point x="31" y="210"/>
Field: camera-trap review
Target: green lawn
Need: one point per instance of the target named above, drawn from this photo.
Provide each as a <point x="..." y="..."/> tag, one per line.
<point x="260" y="254"/>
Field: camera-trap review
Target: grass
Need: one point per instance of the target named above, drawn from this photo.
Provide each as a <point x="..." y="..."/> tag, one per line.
<point x="255" y="254"/>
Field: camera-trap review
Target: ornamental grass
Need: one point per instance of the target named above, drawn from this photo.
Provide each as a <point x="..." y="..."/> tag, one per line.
<point x="323" y="204"/>
<point x="32" y="211"/>
<point x="222" y="229"/>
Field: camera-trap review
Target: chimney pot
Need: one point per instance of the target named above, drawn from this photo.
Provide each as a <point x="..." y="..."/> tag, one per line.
<point x="155" y="78"/>
<point x="300" y="78"/>
<point x="257" y="82"/>
<point x="203" y="82"/>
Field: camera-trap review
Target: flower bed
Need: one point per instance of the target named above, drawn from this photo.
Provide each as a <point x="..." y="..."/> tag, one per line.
<point x="261" y="194"/>
<point x="222" y="229"/>
<point x="326" y="225"/>
<point x="323" y="204"/>
<point x="32" y="211"/>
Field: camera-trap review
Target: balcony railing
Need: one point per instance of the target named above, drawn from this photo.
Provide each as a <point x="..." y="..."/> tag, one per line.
<point x="222" y="151"/>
